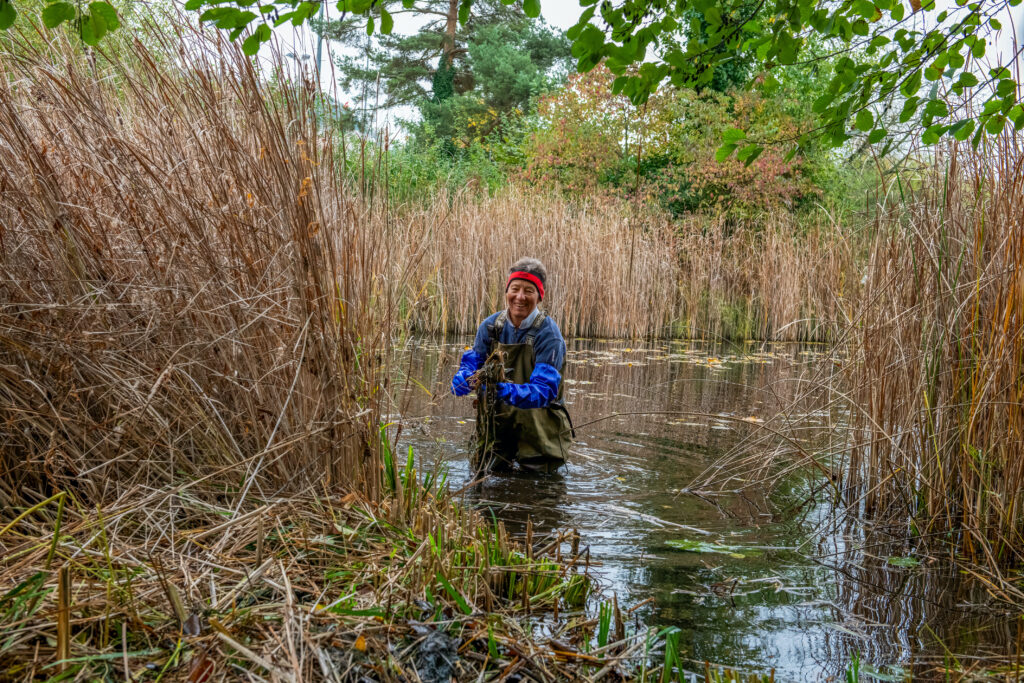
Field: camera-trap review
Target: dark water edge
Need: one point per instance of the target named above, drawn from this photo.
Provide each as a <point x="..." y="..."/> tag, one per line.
<point x="758" y="578"/>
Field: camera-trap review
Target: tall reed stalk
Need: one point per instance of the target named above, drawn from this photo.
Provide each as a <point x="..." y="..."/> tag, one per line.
<point x="936" y="381"/>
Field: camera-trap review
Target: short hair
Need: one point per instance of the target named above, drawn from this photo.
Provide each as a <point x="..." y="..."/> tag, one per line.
<point x="533" y="267"/>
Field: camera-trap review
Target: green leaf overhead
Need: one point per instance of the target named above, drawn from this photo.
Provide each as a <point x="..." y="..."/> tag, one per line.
<point x="57" y="13"/>
<point x="105" y="12"/>
<point x="7" y="14"/>
<point x="865" y="120"/>
<point x="882" y="65"/>
<point x="885" y="57"/>
<point x="387" y="24"/>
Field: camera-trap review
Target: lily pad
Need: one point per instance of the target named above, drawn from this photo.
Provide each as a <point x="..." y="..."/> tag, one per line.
<point x="904" y="561"/>
<point x="706" y="547"/>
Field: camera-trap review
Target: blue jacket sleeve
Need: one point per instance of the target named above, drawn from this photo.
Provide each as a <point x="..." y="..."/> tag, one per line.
<point x="537" y="393"/>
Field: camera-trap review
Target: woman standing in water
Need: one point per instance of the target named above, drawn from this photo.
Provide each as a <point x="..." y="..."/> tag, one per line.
<point x="523" y="418"/>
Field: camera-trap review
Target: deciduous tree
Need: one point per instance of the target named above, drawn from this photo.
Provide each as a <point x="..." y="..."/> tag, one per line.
<point x="905" y="55"/>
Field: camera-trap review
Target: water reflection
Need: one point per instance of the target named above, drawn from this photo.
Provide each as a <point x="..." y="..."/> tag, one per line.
<point x="520" y="497"/>
<point x="767" y="582"/>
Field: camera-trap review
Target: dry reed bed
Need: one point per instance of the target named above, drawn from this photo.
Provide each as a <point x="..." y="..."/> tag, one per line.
<point x="185" y="287"/>
<point x="925" y="447"/>
<point x="936" y="381"/>
<point x="780" y="279"/>
<point x="617" y="270"/>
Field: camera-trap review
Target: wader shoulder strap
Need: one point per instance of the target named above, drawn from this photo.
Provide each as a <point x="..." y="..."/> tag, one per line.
<point x="535" y="328"/>
<point x="494" y="330"/>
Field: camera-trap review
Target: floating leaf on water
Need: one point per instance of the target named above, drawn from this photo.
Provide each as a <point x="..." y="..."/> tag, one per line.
<point x="892" y="673"/>
<point x="753" y="418"/>
<point x="690" y="546"/>
<point x="904" y="561"/>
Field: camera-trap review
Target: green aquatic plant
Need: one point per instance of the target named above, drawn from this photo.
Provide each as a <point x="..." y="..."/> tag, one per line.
<point x="852" y="673"/>
<point x="736" y="551"/>
<point x="604" y="622"/>
<point x="728" y="675"/>
<point x="906" y="562"/>
<point x="673" y="664"/>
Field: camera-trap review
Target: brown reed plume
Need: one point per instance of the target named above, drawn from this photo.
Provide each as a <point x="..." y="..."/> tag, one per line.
<point x="187" y="292"/>
<point x="935" y="379"/>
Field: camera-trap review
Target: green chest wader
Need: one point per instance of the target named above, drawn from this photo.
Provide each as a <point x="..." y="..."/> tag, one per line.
<point x="537" y="438"/>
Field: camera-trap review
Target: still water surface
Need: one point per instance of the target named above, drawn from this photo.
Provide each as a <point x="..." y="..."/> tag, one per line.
<point x="784" y="588"/>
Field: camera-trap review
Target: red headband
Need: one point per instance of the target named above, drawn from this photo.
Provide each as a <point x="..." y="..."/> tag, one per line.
<point x="529" y="277"/>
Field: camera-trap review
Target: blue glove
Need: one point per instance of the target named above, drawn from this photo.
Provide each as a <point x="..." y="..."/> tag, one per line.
<point x="471" y="361"/>
<point x="537" y="393"/>
<point x="460" y="383"/>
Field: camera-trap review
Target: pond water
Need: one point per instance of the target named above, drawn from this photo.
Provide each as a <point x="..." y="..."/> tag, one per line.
<point x="758" y="578"/>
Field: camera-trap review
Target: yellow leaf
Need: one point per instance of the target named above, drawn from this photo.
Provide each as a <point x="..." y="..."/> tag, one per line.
<point x="360" y="644"/>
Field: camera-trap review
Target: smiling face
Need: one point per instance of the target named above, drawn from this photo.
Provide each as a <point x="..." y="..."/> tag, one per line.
<point x="521" y="297"/>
